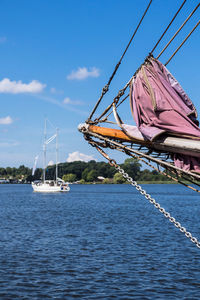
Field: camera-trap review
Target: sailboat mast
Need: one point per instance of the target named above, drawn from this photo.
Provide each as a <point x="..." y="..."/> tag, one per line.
<point x="44" y="149"/>
<point x="56" y="154"/>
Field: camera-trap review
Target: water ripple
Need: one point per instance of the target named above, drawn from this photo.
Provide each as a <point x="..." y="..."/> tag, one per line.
<point x="98" y="242"/>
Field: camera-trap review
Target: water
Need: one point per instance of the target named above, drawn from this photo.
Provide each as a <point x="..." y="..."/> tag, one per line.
<point x="98" y="242"/>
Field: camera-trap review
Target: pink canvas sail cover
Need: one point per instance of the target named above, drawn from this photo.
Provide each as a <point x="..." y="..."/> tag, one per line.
<point x="160" y="105"/>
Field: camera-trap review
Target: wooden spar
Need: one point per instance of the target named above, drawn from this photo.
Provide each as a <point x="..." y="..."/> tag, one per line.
<point x="116" y="134"/>
<point x="170" y="144"/>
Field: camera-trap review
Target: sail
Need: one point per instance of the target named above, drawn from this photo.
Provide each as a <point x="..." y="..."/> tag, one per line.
<point x="160" y="105"/>
<point x="35" y="164"/>
<point x="167" y="127"/>
<point x="51" y="139"/>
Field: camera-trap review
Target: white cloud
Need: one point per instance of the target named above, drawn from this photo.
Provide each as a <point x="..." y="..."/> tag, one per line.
<point x="6" y="121"/>
<point x="67" y="100"/>
<point x="3" y="39"/>
<point x="9" y="144"/>
<point x="53" y="90"/>
<point x="60" y="104"/>
<point x="76" y="156"/>
<point x="50" y="163"/>
<point x="83" y="73"/>
<point x="17" y="87"/>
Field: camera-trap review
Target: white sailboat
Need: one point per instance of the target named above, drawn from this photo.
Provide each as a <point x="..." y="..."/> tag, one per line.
<point x="50" y="186"/>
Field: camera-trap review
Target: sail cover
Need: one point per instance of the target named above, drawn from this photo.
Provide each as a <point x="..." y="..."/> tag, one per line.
<point x="160" y="105"/>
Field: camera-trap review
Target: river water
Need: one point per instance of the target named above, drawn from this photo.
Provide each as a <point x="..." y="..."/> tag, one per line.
<point x="98" y="242"/>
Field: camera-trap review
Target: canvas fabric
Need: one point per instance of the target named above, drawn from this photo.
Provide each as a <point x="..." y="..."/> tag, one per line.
<point x="160" y="105"/>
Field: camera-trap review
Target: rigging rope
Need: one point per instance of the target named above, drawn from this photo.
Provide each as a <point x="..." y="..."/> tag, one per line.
<point x="116" y="100"/>
<point x="121" y="92"/>
<point x="175" y="172"/>
<point x="178" y="31"/>
<point x="168" y="27"/>
<point x="117" y="105"/>
<point x="106" y="87"/>
<point x="183" y="42"/>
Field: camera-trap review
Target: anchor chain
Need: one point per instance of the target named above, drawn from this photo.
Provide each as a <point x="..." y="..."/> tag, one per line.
<point x="156" y="204"/>
<point x="113" y="163"/>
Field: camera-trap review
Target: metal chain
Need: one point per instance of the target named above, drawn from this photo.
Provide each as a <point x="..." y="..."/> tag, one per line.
<point x="113" y="163"/>
<point x="156" y="204"/>
<point x="175" y="174"/>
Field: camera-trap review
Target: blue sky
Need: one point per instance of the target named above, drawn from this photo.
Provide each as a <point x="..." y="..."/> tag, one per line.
<point x="56" y="56"/>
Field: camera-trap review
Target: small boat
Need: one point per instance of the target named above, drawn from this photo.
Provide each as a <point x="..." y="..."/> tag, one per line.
<point x="50" y="186"/>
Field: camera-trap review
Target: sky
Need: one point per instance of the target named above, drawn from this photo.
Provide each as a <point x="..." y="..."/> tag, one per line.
<point x="56" y="56"/>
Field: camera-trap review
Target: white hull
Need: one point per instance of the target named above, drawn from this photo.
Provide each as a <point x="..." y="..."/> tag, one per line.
<point x="50" y="187"/>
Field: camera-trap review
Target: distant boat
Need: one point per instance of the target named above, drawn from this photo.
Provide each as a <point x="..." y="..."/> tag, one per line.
<point x="50" y="186"/>
<point x="4" y="181"/>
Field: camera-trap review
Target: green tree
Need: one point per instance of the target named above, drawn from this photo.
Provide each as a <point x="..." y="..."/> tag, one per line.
<point x="118" y="178"/>
<point x="38" y="174"/>
<point x="85" y="173"/>
<point x="82" y="181"/>
<point x="9" y="171"/>
<point x="3" y="172"/>
<point x="92" y="175"/>
<point x="132" y="167"/>
<point x="146" y="175"/>
<point x="106" y="181"/>
<point x="69" y="177"/>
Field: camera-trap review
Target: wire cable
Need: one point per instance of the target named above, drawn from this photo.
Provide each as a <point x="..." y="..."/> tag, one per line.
<point x="106" y="87"/>
<point x="183" y="42"/>
<point x="168" y="27"/>
<point x="178" y="31"/>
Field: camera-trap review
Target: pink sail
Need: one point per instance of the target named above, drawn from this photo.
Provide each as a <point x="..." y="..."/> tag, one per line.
<point x="160" y="105"/>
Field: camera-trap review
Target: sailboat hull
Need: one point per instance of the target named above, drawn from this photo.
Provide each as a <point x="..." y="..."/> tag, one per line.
<point x="49" y="187"/>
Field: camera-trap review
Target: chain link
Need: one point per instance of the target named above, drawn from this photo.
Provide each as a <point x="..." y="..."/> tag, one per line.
<point x="156" y="204"/>
<point x="113" y="163"/>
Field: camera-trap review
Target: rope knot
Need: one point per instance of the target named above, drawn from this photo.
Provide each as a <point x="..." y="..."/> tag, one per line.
<point x="105" y="89"/>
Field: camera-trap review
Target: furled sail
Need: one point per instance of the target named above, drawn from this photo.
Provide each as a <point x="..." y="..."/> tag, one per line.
<point x="160" y="105"/>
<point x="167" y="136"/>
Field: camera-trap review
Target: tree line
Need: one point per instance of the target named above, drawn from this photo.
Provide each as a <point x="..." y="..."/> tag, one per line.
<point x="84" y="172"/>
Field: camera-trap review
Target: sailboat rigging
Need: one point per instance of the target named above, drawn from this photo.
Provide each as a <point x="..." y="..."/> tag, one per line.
<point x="50" y="186"/>
<point x="167" y="136"/>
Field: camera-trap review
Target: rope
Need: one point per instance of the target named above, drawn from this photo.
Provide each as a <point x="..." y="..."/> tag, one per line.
<point x="136" y="30"/>
<point x="174" y="171"/>
<point x="106" y="87"/>
<point x="118" y="105"/>
<point x="168" y="26"/>
<point x="116" y="100"/>
<point x="178" y="31"/>
<point x="183" y="42"/>
<point x="120" y="94"/>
